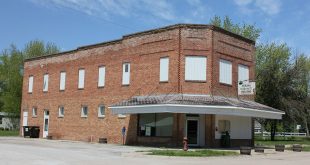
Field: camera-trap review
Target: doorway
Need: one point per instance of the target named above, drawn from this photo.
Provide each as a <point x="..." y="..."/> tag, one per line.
<point x="46" y="123"/>
<point x="192" y="131"/>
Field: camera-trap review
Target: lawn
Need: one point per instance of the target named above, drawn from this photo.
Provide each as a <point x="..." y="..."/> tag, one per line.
<point x="194" y="153"/>
<point x="282" y="140"/>
<point x="9" y="133"/>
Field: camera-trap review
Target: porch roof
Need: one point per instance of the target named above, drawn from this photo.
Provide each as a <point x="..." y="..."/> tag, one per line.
<point x="195" y="104"/>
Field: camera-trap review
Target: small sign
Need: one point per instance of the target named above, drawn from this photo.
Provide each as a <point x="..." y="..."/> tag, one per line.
<point x="246" y="88"/>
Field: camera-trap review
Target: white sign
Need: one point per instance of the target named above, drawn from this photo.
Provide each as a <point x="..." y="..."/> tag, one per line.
<point x="246" y="88"/>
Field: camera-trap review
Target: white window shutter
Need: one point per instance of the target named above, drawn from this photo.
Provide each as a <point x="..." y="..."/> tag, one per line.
<point x="196" y="68"/>
<point x="45" y="83"/>
<point x="164" y="69"/>
<point x="243" y="72"/>
<point x="101" y="76"/>
<point x="225" y="72"/>
<point x="30" y="84"/>
<point x="62" y="84"/>
<point x="126" y="74"/>
<point x="81" y="78"/>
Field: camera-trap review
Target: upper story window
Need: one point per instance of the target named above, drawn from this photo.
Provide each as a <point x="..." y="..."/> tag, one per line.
<point x="45" y="83"/>
<point x="30" y="84"/>
<point x="34" y="112"/>
<point x="62" y="82"/>
<point x="81" y="78"/>
<point x="195" y="68"/>
<point x="101" y="110"/>
<point x="101" y="76"/>
<point x="61" y="111"/>
<point x="164" y="69"/>
<point x="84" y="111"/>
<point x="126" y="74"/>
<point x="243" y="72"/>
<point x="225" y="72"/>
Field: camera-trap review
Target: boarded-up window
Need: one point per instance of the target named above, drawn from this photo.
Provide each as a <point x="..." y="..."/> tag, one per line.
<point x="30" y="84"/>
<point x="126" y="74"/>
<point x="101" y="76"/>
<point x="164" y="69"/>
<point x="81" y="78"/>
<point x="196" y="68"/>
<point x="243" y="73"/>
<point x="45" y="83"/>
<point x="62" y="83"/>
<point x="225" y="72"/>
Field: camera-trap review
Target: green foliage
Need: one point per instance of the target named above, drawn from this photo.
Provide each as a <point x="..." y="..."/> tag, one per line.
<point x="9" y="132"/>
<point x="196" y="153"/>
<point x="11" y="73"/>
<point x="245" y="30"/>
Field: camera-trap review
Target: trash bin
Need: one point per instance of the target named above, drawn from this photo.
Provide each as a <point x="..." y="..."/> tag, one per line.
<point x="225" y="139"/>
<point x="35" y="132"/>
<point x="31" y="131"/>
<point x="27" y="131"/>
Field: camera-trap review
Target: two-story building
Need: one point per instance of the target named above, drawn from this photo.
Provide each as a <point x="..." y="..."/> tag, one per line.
<point x="161" y="85"/>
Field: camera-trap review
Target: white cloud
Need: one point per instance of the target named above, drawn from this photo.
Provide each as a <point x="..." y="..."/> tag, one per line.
<point x="161" y="9"/>
<point x="270" y="7"/>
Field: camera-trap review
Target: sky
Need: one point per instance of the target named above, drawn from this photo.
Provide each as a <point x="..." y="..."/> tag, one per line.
<point x="73" y="23"/>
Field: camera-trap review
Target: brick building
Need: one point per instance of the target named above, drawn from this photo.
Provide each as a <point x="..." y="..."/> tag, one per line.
<point x="161" y="85"/>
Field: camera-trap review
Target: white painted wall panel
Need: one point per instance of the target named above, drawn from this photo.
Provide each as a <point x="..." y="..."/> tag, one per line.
<point x="240" y="127"/>
<point x="164" y="69"/>
<point x="101" y="76"/>
<point x="45" y="83"/>
<point x="30" y="84"/>
<point x="196" y="68"/>
<point x="225" y="72"/>
<point x="62" y="83"/>
<point x="126" y="74"/>
<point x="81" y="78"/>
<point x="243" y="72"/>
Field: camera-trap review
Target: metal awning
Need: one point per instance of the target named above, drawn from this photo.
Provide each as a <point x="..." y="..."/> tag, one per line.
<point x="195" y="104"/>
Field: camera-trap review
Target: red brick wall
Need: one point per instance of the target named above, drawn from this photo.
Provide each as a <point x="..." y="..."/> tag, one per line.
<point x="143" y="52"/>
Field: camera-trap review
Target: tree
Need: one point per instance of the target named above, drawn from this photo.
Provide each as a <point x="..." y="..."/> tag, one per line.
<point x="245" y="30"/>
<point x="11" y="73"/>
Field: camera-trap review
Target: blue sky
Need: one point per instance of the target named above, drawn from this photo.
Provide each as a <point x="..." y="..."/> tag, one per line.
<point x="73" y="23"/>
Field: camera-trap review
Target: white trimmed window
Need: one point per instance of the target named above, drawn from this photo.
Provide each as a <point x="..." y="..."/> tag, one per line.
<point x="195" y="68"/>
<point x="34" y="112"/>
<point x="126" y="74"/>
<point x="225" y="72"/>
<point x="45" y="83"/>
<point x="164" y="69"/>
<point x="101" y="110"/>
<point x="84" y="111"/>
<point x="243" y="72"/>
<point x="62" y="82"/>
<point x="101" y="76"/>
<point x="81" y="78"/>
<point x="61" y="111"/>
<point x="30" y="84"/>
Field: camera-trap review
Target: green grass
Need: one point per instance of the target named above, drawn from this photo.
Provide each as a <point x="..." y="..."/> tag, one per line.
<point x="9" y="133"/>
<point x="282" y="140"/>
<point x="195" y="153"/>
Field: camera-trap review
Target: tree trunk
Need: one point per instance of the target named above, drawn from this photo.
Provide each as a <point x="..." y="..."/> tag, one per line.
<point x="273" y="130"/>
<point x="306" y="126"/>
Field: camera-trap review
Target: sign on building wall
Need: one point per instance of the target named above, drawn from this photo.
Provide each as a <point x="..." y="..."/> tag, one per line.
<point x="246" y="88"/>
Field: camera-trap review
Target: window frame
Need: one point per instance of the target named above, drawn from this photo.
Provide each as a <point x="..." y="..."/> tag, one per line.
<point x="186" y="71"/>
<point x="45" y="82"/>
<point x="34" y="112"/>
<point x="60" y="82"/>
<point x="59" y="110"/>
<point x="82" y="111"/>
<point x="100" y="115"/>
<point x="162" y="77"/>
<point x="124" y="73"/>
<point x="79" y="85"/>
<point x="32" y="82"/>
<point x="231" y="72"/>
<point x="248" y="68"/>
<point x="103" y="78"/>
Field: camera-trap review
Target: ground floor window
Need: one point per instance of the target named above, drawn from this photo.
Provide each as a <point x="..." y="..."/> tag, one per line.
<point x="159" y="124"/>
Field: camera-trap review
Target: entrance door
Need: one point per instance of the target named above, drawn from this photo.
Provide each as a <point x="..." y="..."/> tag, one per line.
<point x="25" y="118"/>
<point x="46" y="123"/>
<point x="192" y="131"/>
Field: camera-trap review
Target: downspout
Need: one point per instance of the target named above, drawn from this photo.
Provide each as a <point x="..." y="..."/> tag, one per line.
<point x="179" y="84"/>
<point x="211" y="87"/>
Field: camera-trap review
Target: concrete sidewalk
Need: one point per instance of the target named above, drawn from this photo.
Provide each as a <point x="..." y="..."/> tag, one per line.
<point x="16" y="151"/>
